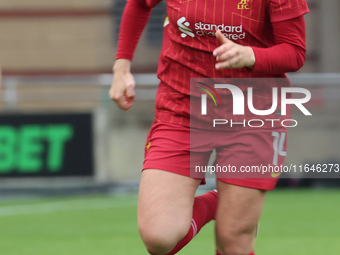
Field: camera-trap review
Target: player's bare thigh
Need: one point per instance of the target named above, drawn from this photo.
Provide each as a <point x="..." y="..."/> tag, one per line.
<point x="165" y="207"/>
<point x="238" y="213"/>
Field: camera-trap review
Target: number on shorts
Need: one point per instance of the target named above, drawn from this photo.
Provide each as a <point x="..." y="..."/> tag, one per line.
<point x="279" y="140"/>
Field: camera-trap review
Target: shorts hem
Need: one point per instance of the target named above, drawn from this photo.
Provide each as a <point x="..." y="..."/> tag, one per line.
<point x="171" y="169"/>
<point x="250" y="183"/>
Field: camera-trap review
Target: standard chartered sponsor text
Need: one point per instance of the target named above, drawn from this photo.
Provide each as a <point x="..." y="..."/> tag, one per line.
<point x="201" y="29"/>
<point x="231" y="32"/>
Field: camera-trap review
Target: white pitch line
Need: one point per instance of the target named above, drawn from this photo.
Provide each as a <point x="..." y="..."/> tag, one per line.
<point x="59" y="207"/>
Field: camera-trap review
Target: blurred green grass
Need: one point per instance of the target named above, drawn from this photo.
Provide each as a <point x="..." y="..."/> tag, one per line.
<point x="302" y="222"/>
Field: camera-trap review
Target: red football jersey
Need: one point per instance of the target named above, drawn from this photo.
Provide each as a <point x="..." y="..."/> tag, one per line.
<point x="189" y="40"/>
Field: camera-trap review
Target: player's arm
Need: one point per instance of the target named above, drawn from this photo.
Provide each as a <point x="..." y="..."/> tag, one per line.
<point x="135" y="17"/>
<point x="288" y="54"/>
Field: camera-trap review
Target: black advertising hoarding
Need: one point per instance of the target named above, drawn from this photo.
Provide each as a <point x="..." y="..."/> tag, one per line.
<point x="46" y="145"/>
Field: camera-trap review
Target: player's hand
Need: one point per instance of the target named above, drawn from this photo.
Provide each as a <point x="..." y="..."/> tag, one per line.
<point x="122" y="90"/>
<point x="232" y="55"/>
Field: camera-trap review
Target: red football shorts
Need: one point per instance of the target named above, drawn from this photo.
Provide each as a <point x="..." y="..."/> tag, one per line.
<point x="168" y="148"/>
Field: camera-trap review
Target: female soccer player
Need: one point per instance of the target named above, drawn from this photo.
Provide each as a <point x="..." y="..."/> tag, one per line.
<point x="216" y="39"/>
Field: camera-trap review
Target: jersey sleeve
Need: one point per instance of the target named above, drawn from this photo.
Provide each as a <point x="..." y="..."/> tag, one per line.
<point x="135" y="17"/>
<point x="280" y="10"/>
<point x="288" y="55"/>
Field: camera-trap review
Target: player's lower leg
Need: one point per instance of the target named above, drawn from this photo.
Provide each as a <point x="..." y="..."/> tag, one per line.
<point x="239" y="210"/>
<point x="256" y="233"/>
<point x="204" y="211"/>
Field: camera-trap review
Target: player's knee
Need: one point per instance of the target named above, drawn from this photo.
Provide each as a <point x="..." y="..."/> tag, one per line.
<point x="160" y="241"/>
<point x="158" y="245"/>
<point x="232" y="250"/>
<point x="235" y="243"/>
